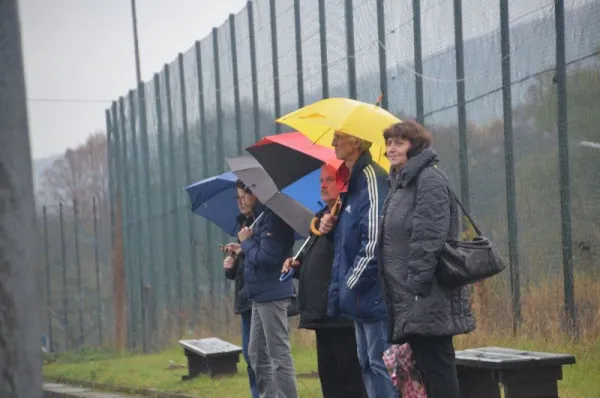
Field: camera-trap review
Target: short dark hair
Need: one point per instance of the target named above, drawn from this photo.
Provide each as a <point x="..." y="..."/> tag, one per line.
<point x="240" y="185"/>
<point x="411" y="131"/>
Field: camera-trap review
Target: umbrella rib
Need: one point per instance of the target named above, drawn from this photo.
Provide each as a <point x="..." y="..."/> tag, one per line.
<point x="322" y="135"/>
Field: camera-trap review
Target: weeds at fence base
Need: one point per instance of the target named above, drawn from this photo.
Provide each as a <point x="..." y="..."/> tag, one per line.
<point x="543" y="314"/>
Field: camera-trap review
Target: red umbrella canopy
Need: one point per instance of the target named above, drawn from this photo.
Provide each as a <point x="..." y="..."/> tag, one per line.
<point x="288" y="157"/>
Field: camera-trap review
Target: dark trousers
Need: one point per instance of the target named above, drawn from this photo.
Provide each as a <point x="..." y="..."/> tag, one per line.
<point x="337" y="359"/>
<point x="434" y="357"/>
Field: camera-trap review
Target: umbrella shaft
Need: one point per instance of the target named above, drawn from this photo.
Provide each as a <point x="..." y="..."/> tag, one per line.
<point x="301" y="248"/>
<point x="256" y="220"/>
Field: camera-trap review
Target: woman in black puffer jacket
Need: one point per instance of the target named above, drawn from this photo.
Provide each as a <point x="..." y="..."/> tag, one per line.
<point x="418" y="216"/>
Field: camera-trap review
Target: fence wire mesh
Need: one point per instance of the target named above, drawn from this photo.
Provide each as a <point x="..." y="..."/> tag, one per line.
<point x="509" y="92"/>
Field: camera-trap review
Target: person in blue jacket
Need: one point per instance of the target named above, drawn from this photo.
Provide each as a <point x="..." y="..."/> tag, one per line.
<point x="355" y="289"/>
<point x="234" y="270"/>
<point x="265" y="247"/>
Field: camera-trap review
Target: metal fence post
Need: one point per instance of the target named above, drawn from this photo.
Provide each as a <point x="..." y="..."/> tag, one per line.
<point x="323" y="39"/>
<point x="148" y="237"/>
<point x="350" y="49"/>
<point x="188" y="177"/>
<point x="171" y="134"/>
<point x="128" y="247"/>
<point x="299" y="67"/>
<point x="97" y="265"/>
<point x="63" y="252"/>
<point x="140" y="253"/>
<point x="112" y="187"/>
<point x="510" y="164"/>
<point x="463" y="153"/>
<point x="219" y="106"/>
<point x="78" y="268"/>
<point x="112" y="183"/>
<point x="219" y="114"/>
<point x="275" y="62"/>
<point x="236" y="84"/>
<point x="382" y="52"/>
<point x="564" y="172"/>
<point x="167" y="284"/>
<point x="418" y="54"/>
<point x="253" y="71"/>
<point x="203" y="140"/>
<point x="117" y="230"/>
<point x="48" y="284"/>
<point x="208" y="250"/>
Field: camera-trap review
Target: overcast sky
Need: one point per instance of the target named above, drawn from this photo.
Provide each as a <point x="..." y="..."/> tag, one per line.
<point x="79" y="53"/>
<point x="82" y="50"/>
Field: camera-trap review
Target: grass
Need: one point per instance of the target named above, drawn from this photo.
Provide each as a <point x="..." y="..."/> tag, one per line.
<point x="542" y="329"/>
<point x="162" y="371"/>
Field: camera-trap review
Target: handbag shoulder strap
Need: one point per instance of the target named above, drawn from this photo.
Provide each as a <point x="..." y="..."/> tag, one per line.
<point x="465" y="212"/>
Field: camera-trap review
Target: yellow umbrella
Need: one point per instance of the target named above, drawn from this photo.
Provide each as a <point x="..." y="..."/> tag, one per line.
<point x="320" y="120"/>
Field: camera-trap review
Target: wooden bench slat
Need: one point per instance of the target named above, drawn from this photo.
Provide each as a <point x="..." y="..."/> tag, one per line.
<point x="523" y="374"/>
<point x="521" y="353"/>
<point x="210" y="347"/>
<point x="212" y="356"/>
<point x="502" y="358"/>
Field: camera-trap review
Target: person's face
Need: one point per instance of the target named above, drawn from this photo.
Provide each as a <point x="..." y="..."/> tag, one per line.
<point x="250" y="201"/>
<point x="241" y="204"/>
<point x="329" y="187"/>
<point x="397" y="151"/>
<point x="344" y="145"/>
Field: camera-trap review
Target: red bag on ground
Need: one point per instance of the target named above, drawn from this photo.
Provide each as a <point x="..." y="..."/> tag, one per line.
<point x="405" y="376"/>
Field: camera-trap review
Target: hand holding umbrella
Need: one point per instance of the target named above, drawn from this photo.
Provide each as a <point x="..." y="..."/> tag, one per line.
<point x="290" y="273"/>
<point x="290" y="264"/>
<point x="327" y="222"/>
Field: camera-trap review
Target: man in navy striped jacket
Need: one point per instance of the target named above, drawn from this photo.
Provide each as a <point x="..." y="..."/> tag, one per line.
<point x="355" y="289"/>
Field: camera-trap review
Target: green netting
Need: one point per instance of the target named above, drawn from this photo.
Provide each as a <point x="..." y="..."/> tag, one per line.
<point x="175" y="252"/>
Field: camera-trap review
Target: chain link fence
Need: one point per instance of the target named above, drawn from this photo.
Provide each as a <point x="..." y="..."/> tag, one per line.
<point x="509" y="89"/>
<point x="77" y="275"/>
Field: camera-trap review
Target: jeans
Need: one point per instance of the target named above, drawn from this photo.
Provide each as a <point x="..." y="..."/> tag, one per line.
<point x="246" y="318"/>
<point x="270" y="351"/>
<point x="371" y="341"/>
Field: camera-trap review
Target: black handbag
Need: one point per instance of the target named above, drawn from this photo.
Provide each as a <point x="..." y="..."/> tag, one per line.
<point x="466" y="262"/>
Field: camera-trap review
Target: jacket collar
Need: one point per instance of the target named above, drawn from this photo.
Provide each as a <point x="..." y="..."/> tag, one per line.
<point x="244" y="221"/>
<point x="427" y="157"/>
<point x="259" y="208"/>
<point x="363" y="161"/>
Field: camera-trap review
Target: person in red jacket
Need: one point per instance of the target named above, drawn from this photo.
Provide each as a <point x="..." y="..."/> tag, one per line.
<point x="337" y="359"/>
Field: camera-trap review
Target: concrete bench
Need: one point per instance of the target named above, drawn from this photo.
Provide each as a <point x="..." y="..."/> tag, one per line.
<point x="212" y="356"/>
<point x="523" y="374"/>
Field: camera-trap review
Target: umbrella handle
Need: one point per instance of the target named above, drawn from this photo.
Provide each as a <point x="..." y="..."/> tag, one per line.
<point x="334" y="212"/>
<point x="290" y="273"/>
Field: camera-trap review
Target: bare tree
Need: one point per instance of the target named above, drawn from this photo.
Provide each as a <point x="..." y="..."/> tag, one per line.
<point x="81" y="173"/>
<point x="20" y="353"/>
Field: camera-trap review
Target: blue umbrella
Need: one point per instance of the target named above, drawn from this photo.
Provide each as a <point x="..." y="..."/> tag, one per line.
<point x="214" y="198"/>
